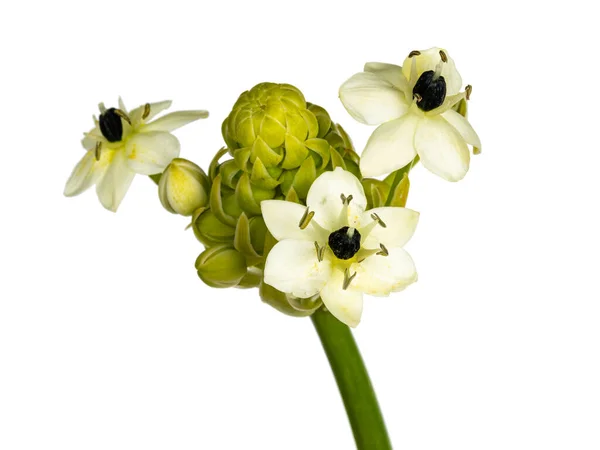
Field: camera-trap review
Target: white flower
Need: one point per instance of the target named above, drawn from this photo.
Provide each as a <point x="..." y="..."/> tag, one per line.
<point x="123" y="144"/>
<point x="413" y="103"/>
<point x="334" y="248"/>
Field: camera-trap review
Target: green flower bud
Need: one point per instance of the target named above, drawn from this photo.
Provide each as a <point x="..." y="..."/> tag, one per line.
<point x="286" y="303"/>
<point x="183" y="187"/>
<point x="209" y="230"/>
<point x="221" y="266"/>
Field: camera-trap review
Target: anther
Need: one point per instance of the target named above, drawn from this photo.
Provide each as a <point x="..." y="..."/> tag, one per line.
<point x="97" y="150"/>
<point x="347" y="278"/>
<point x="320" y="251"/>
<point x="443" y="56"/>
<point x="346" y="200"/>
<point x="377" y="219"/>
<point x="383" y="252"/>
<point x="146" y="112"/>
<point x="123" y="116"/>
<point x="418" y="97"/>
<point x="306" y="218"/>
<point x="414" y="53"/>
<point x="468" y="90"/>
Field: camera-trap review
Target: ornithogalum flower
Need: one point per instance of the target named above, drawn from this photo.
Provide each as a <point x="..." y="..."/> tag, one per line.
<point x="413" y="104"/>
<point x="122" y="144"/>
<point x="334" y="248"/>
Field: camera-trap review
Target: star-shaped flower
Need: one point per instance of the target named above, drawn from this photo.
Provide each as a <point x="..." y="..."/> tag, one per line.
<point x="413" y="103"/>
<point x="122" y="144"/>
<point x="334" y="248"/>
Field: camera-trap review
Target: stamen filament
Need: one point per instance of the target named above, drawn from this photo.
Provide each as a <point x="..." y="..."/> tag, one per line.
<point x="146" y="112"/>
<point x="320" y="251"/>
<point x="468" y="90"/>
<point x="97" y="150"/>
<point x="384" y="250"/>
<point x="123" y="116"/>
<point x="306" y="218"/>
<point x="377" y="219"/>
<point x="347" y="278"/>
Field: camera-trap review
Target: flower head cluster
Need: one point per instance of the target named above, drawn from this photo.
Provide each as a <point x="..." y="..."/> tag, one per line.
<point x="124" y="143"/>
<point x="413" y="104"/>
<point x="334" y="248"/>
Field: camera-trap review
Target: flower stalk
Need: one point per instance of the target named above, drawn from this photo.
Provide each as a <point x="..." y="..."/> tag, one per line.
<point x="353" y="382"/>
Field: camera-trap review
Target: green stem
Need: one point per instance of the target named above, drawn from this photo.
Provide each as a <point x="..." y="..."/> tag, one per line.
<point x="353" y="382"/>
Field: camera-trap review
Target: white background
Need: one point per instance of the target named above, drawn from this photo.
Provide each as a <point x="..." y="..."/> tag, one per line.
<point x="108" y="340"/>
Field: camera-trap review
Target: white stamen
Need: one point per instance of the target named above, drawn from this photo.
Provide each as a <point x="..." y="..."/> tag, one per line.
<point x="438" y="70"/>
<point x="350" y="232"/>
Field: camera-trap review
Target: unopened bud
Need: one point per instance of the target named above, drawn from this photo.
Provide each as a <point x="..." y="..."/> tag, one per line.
<point x="287" y="304"/>
<point x="221" y="266"/>
<point x="183" y="187"/>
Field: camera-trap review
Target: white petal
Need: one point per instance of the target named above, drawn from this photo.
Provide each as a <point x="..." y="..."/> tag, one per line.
<point x="155" y="108"/>
<point x="174" y="120"/>
<point x="371" y="99"/>
<point x="390" y="147"/>
<point x="292" y="267"/>
<point x="442" y="150"/>
<point x="428" y="60"/>
<point x="150" y="153"/>
<point x="380" y="275"/>
<point x="283" y="219"/>
<point x="400" y="225"/>
<point x="464" y="128"/>
<point x="324" y="198"/>
<point x="389" y="72"/>
<point x="116" y="181"/>
<point x="87" y="172"/>
<point x="345" y="305"/>
<point x="91" y="137"/>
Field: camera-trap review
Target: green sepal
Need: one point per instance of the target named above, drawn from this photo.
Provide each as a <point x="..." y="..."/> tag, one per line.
<point x="262" y="151"/>
<point x="242" y="158"/>
<point x="211" y="231"/>
<point x="337" y="160"/>
<point x="214" y="164"/>
<point x="322" y="148"/>
<point x="296" y="125"/>
<point x="272" y="131"/>
<point x="305" y="177"/>
<point x="243" y="241"/>
<point x="216" y="203"/>
<point x="311" y="123"/>
<point x="323" y="119"/>
<point x="376" y="192"/>
<point x="295" y="152"/>
<point x="155" y="177"/>
<point x="399" y="195"/>
<point x="252" y="278"/>
<point x="261" y="177"/>
<point x="229" y="172"/>
<point x="244" y="132"/>
<point x="292" y="196"/>
<point x="249" y="197"/>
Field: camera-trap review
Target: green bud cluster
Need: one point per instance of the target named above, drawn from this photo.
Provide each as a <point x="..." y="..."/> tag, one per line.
<point x="277" y="144"/>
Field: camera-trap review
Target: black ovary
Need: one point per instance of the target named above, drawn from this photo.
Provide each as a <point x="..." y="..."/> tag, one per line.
<point x="342" y="245"/>
<point x="432" y="91"/>
<point x="111" y="125"/>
